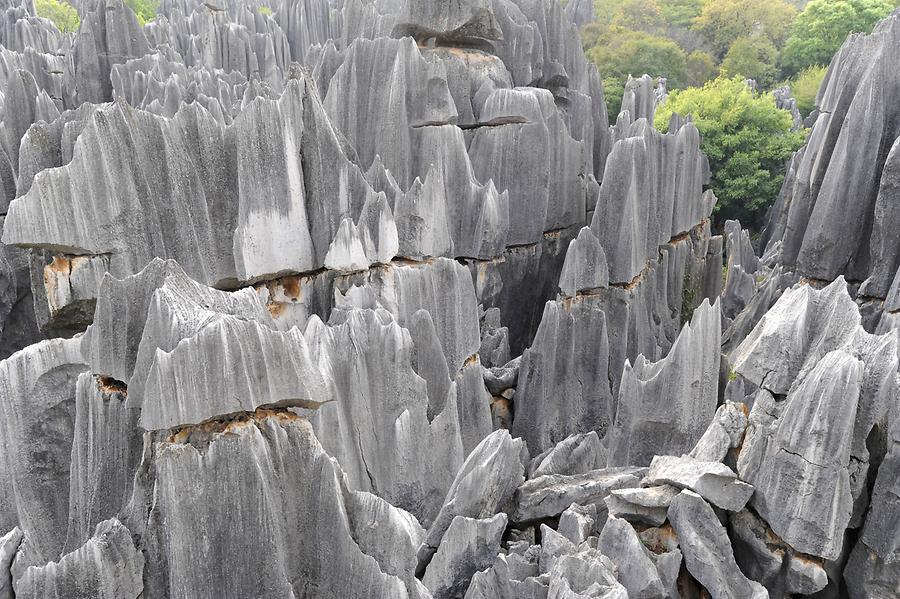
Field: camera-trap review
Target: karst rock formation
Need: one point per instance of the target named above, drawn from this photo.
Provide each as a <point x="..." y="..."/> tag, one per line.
<point x="365" y="299"/>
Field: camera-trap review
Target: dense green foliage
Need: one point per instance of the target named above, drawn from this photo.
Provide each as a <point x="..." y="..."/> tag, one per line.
<point x="621" y="52"/>
<point x="144" y="9"/>
<point x="724" y="21"/>
<point x="747" y="140"/>
<point x="681" y="13"/>
<point x="805" y="87"/>
<point x="818" y="32"/>
<point x="752" y="57"/>
<point x="690" y="42"/>
<point x="63" y="14"/>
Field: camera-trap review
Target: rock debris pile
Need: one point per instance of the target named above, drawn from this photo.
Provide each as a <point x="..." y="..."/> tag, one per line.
<point x="365" y="299"/>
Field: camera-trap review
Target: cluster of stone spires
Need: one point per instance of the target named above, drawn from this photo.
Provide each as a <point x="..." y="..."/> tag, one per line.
<point x="264" y="273"/>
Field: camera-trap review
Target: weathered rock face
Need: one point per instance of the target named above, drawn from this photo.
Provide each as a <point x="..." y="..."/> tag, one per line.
<point x="649" y="246"/>
<point x="295" y="302"/>
<point x="107" y="566"/>
<point x="18" y="326"/>
<point x="707" y="550"/>
<point x="109" y="34"/>
<point x="37" y="388"/>
<point x="485" y="482"/>
<point x="638" y="188"/>
<point x="664" y="408"/>
<point x="468" y="546"/>
<point x="823" y="233"/>
<point x="106" y="451"/>
<point x="641" y="99"/>
<point x="276" y="457"/>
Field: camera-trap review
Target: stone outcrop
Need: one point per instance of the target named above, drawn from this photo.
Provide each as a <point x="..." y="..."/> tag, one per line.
<point x="664" y="408"/>
<point x="275" y="457"/>
<point x="823" y="234"/>
<point x="364" y="298"/>
<point x="707" y="550"/>
<point x="107" y="566"/>
<point x="38" y="423"/>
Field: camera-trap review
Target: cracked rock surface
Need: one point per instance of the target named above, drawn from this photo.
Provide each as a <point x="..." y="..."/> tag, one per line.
<point x="343" y="299"/>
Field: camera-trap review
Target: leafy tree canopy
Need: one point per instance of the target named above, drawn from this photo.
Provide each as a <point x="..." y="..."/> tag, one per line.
<point x="62" y="14"/>
<point x="144" y="9"/>
<point x="747" y="139"/>
<point x="640" y="15"/>
<point x="621" y="52"/>
<point x="723" y="21"/>
<point x="805" y="87"/>
<point x="699" y="68"/>
<point x="681" y="13"/>
<point x="752" y="57"/>
<point x="818" y="32"/>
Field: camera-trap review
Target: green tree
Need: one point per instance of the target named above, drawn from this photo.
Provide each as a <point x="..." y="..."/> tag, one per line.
<point x="805" y="87"/>
<point x="818" y="32"/>
<point x="63" y="14"/>
<point x="680" y="13"/>
<point x="592" y="33"/>
<point x="605" y="10"/>
<point x="746" y="139"/>
<point x="621" y="52"/>
<point x="613" y="91"/>
<point x="699" y="68"/>
<point x="752" y="57"/>
<point x="723" y="21"/>
<point x="145" y="10"/>
<point x="638" y="15"/>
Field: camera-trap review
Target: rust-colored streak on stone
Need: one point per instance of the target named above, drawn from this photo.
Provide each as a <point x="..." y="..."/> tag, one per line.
<point x="231" y="423"/>
<point x="109" y="386"/>
<point x="61" y="264"/>
<point x="276" y="309"/>
<point x="291" y="287"/>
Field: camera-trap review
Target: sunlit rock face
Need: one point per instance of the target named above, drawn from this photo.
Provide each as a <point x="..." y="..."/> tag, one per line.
<point x="364" y="298"/>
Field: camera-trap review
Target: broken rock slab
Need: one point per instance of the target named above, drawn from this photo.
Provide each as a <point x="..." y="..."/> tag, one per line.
<point x="578" y="522"/>
<point x="714" y="481"/>
<point x="798" y="456"/>
<point x="487" y="479"/>
<point x="707" y="550"/>
<point x="587" y="573"/>
<point x="802" y="326"/>
<point x="512" y="576"/>
<point x="636" y="568"/>
<point x="766" y="559"/>
<point x="646" y="505"/>
<point x="467" y="547"/>
<point x="107" y="566"/>
<point x="577" y="454"/>
<point x="550" y="495"/>
<point x="725" y="432"/>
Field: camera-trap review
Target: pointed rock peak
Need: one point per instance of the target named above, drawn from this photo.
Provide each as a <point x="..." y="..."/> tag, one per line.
<point x="378" y="229"/>
<point x="452" y="23"/>
<point x="585" y="266"/>
<point x="803" y="325"/>
<point x="346" y="252"/>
